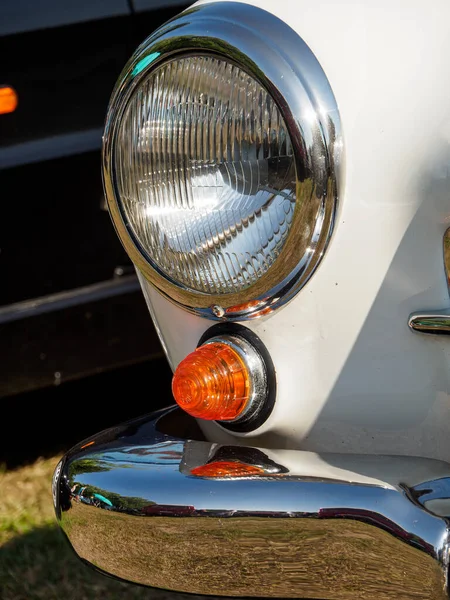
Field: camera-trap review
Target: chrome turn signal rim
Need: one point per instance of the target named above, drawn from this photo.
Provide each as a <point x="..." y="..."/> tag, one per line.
<point x="277" y="58"/>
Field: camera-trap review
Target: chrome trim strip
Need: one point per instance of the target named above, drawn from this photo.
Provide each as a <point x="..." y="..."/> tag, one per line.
<point x="437" y="322"/>
<point x="58" y="146"/>
<point x="90" y="293"/>
<point x="446" y="249"/>
<point x="204" y="518"/>
<point x="270" y="51"/>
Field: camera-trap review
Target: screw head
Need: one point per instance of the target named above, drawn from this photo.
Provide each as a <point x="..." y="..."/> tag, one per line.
<point x="217" y="310"/>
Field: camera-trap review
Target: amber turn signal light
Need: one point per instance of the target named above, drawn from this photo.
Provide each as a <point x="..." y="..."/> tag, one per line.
<point x="212" y="383"/>
<point x="8" y="100"/>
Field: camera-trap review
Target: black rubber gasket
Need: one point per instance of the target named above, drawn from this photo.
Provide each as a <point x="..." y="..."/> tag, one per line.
<point x="256" y="419"/>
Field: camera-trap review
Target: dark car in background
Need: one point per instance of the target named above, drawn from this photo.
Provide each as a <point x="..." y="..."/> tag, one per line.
<point x="70" y="303"/>
<point x="71" y="310"/>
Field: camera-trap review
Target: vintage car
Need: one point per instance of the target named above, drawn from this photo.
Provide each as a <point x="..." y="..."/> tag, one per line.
<point x="278" y="172"/>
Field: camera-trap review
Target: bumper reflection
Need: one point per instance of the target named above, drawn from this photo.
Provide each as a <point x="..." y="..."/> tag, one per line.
<point x="197" y="517"/>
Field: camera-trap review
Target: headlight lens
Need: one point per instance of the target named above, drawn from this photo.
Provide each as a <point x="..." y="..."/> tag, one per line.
<point x="206" y="174"/>
<point x="221" y="158"/>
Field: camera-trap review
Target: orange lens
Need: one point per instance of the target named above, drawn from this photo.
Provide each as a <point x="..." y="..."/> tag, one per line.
<point x="212" y="383"/>
<point x="227" y="468"/>
<point x="8" y="100"/>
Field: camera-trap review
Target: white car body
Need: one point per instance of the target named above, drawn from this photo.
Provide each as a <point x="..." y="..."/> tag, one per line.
<point x="351" y="375"/>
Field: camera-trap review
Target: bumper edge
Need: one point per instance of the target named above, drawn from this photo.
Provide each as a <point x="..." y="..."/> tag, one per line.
<point x="191" y="516"/>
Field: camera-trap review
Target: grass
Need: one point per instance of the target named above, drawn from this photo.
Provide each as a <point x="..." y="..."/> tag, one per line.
<point x="36" y="562"/>
<point x="25" y="500"/>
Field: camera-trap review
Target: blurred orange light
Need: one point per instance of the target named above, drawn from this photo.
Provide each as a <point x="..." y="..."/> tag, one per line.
<point x="212" y="383"/>
<point x="86" y="445"/>
<point x="8" y="100"/>
<point x="226" y="468"/>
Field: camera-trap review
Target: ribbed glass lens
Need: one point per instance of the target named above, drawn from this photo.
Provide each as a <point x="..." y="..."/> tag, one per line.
<point x="205" y="174"/>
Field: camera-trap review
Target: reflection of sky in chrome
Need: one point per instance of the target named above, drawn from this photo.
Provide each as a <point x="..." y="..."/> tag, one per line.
<point x="155" y="476"/>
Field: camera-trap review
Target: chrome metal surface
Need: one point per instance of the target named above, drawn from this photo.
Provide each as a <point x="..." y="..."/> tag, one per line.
<point x="66" y="144"/>
<point x="256" y="369"/>
<point x="205" y="518"/>
<point x="90" y="293"/>
<point x="437" y="322"/>
<point x="270" y="51"/>
<point x="447" y="256"/>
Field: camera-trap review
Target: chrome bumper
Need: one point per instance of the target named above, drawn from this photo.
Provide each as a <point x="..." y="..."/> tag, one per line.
<point x="198" y="517"/>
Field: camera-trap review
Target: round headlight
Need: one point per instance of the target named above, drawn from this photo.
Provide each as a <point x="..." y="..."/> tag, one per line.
<point x="206" y="174"/>
<point x="220" y="160"/>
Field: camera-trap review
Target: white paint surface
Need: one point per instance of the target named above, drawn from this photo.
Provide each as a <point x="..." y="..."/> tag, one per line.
<point x="351" y="376"/>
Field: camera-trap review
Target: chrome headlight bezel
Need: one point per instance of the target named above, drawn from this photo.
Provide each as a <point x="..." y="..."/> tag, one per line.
<point x="271" y="52"/>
